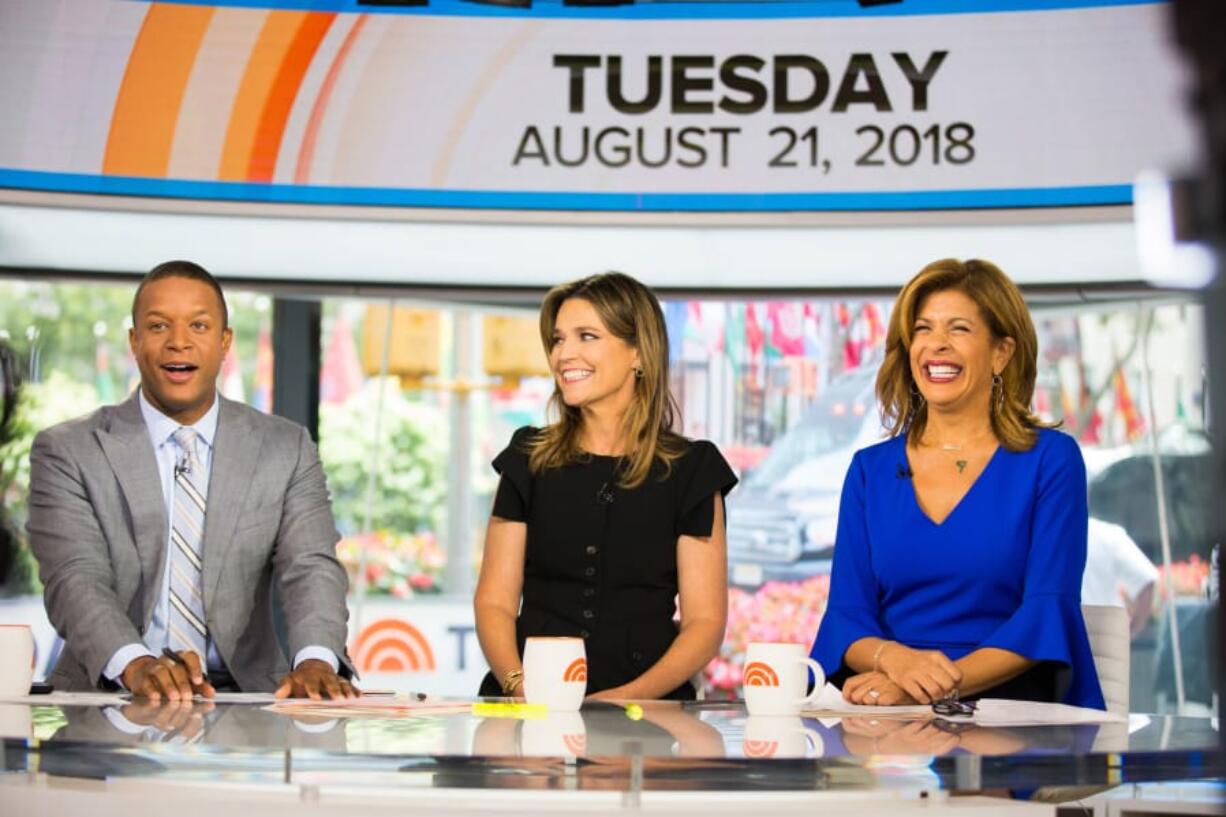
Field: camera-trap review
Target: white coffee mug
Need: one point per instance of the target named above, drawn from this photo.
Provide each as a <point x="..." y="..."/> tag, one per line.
<point x="779" y="736"/>
<point x="559" y="734"/>
<point x="555" y="672"/>
<point x="775" y="676"/>
<point x="16" y="660"/>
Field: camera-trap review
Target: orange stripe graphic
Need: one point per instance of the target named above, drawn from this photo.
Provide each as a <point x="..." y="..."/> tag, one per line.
<point x="306" y="154"/>
<point x="282" y="94"/>
<point x="282" y="52"/>
<point x="147" y="106"/>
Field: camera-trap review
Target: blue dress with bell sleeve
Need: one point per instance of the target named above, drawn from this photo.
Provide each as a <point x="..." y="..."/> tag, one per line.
<point x="1002" y="570"/>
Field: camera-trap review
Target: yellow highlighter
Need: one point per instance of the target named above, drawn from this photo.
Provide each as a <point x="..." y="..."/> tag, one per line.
<point x="502" y="709"/>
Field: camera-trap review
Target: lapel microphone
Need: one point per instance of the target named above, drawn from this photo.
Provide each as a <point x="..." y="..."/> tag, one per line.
<point x="904" y="471"/>
<point x="604" y="496"/>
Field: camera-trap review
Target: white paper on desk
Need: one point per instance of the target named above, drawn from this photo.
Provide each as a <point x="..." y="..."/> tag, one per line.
<point x="370" y="706"/>
<point x="71" y="699"/>
<point x="830" y="706"/>
<point x="239" y="698"/>
<point x="1003" y="712"/>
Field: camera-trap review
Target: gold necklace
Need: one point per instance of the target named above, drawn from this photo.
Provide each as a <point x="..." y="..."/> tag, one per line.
<point x="961" y="462"/>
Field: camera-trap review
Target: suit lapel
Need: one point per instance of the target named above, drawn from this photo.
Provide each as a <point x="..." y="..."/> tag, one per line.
<point x="236" y="452"/>
<point x="125" y="443"/>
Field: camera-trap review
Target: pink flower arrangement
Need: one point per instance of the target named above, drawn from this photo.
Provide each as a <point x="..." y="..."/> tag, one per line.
<point x="397" y="564"/>
<point x="777" y="611"/>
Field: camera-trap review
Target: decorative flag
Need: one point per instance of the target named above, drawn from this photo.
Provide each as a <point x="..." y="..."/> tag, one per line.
<point x="1042" y="401"/>
<point x="814" y="348"/>
<point x="734" y="335"/>
<point x="842" y="314"/>
<point x="261" y="397"/>
<point x="706" y="328"/>
<point x="1068" y="411"/>
<point x="232" y="376"/>
<point x="340" y="373"/>
<point x="786" y="329"/>
<point x="755" y="339"/>
<point x="755" y="344"/>
<point x="675" y="323"/>
<point x="876" y="325"/>
<point x="1092" y="434"/>
<point x="1134" y="425"/>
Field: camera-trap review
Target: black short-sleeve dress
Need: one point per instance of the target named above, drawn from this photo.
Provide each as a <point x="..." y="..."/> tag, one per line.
<point x="601" y="561"/>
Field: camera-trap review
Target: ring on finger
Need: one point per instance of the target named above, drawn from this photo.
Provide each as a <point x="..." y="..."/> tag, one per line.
<point x="874" y="694"/>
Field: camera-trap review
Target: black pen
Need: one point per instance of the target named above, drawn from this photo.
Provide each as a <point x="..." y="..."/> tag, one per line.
<point x="178" y="659"/>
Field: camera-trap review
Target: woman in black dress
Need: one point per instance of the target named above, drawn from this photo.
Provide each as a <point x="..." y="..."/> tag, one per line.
<point x="606" y="519"/>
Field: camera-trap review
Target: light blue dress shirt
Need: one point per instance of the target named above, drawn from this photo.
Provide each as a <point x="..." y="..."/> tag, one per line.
<point x="161" y="430"/>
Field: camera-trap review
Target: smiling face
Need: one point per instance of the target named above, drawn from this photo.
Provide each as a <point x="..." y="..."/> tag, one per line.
<point x="954" y="354"/>
<point x="179" y="342"/>
<point x="592" y="366"/>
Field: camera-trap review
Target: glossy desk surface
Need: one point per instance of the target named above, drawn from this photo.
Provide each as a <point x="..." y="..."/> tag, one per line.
<point x="705" y="747"/>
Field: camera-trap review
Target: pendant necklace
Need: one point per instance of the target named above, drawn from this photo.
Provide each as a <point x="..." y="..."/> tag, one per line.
<point x="962" y="460"/>
<point x="951" y="447"/>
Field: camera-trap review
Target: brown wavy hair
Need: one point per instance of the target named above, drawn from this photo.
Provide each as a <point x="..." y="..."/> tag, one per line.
<point x="631" y="312"/>
<point x="903" y="411"/>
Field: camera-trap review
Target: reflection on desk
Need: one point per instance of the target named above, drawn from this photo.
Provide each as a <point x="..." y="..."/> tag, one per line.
<point x="649" y="746"/>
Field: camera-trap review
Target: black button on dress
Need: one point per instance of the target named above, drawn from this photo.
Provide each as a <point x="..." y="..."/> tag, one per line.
<point x="601" y="561"/>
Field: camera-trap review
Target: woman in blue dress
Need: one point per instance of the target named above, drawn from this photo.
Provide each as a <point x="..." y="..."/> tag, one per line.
<point x="962" y="538"/>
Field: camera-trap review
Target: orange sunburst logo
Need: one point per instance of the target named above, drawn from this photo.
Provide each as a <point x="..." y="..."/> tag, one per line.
<point x="758" y="674"/>
<point x="392" y="645"/>
<point x="576" y="744"/>
<point x="760" y="748"/>
<point x="577" y="671"/>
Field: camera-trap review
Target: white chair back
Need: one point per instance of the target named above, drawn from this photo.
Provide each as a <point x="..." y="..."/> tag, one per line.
<point x="1110" y="643"/>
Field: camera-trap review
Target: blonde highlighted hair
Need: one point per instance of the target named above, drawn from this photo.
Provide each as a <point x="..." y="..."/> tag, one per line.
<point x="904" y="411"/>
<point x="631" y="312"/>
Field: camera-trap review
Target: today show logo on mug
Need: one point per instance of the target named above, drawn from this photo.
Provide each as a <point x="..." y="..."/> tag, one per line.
<point x="577" y="671"/>
<point x="759" y="674"/>
<point x="775" y="678"/>
<point x="555" y="672"/>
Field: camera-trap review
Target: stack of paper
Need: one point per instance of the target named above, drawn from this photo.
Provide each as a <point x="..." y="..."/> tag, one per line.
<point x="988" y="711"/>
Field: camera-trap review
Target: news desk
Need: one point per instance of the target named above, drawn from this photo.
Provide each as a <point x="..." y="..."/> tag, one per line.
<point x="708" y="758"/>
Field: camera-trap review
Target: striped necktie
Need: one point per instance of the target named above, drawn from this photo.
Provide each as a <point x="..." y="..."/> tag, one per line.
<point x="188" y="630"/>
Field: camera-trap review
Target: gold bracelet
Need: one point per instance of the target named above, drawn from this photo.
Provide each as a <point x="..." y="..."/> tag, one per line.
<point x="877" y="655"/>
<point x="512" y="680"/>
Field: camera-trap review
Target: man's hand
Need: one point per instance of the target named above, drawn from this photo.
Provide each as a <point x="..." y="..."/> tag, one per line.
<point x="315" y="679"/>
<point x="158" y="678"/>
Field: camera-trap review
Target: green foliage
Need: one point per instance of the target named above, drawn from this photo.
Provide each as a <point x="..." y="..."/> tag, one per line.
<point x="55" y="324"/>
<point x="39" y="405"/>
<point x="59" y="326"/>
<point x="412" y="482"/>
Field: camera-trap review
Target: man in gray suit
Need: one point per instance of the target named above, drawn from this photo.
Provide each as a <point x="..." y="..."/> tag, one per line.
<point x="164" y="526"/>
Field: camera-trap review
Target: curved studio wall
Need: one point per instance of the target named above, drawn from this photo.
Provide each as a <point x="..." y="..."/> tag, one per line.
<point x="790" y="145"/>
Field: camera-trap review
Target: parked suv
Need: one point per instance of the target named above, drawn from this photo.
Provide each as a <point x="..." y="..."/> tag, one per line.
<point x="782" y="519"/>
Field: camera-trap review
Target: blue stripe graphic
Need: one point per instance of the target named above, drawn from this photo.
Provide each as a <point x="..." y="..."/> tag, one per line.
<point x="682" y="10"/>
<point x="1106" y="194"/>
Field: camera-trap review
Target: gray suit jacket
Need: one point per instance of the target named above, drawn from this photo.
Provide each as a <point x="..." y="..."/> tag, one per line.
<point x="98" y="528"/>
